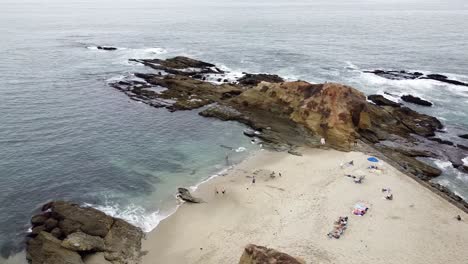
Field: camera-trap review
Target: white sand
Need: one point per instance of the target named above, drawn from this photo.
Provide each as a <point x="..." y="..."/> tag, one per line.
<point x="293" y="213"/>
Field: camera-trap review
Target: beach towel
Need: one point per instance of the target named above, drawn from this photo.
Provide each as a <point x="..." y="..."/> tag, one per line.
<point x="360" y="209"/>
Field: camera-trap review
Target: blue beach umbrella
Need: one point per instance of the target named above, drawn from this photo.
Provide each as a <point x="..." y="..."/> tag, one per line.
<point x="372" y="159"/>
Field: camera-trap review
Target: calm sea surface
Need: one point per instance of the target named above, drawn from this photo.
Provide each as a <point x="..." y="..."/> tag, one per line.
<point x="65" y="134"/>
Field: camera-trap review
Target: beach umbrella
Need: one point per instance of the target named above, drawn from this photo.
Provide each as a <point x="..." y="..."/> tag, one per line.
<point x="372" y="159"/>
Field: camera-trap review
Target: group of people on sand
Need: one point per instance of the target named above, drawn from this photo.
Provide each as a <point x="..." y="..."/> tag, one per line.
<point x="338" y="229"/>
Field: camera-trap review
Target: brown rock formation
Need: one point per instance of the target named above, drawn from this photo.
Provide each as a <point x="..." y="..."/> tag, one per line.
<point x="289" y="114"/>
<point x="78" y="232"/>
<point x="254" y="254"/>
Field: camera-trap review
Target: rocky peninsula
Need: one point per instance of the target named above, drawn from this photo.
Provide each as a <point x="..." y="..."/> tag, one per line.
<point x="290" y="114"/>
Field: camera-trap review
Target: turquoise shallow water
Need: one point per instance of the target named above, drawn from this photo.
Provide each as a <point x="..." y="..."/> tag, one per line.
<point x="65" y="134"/>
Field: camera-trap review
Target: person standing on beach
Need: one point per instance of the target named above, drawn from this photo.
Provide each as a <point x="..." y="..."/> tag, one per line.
<point x="322" y="141"/>
<point x="253" y="179"/>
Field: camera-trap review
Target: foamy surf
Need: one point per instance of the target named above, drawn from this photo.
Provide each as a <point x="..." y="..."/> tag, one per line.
<point x="133" y="214"/>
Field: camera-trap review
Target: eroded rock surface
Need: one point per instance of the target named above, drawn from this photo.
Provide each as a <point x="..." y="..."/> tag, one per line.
<point x="254" y="254"/>
<point x="69" y="233"/>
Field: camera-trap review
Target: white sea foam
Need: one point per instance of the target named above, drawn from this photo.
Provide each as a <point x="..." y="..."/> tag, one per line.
<point x="351" y="66"/>
<point x="240" y="149"/>
<point x="443" y="164"/>
<point x="133" y="214"/>
<point x="465" y="161"/>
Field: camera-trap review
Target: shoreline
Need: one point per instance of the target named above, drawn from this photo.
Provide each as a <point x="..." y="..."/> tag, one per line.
<point x="180" y="236"/>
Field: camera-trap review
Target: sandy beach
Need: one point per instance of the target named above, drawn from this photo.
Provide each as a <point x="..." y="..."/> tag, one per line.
<point x="294" y="212"/>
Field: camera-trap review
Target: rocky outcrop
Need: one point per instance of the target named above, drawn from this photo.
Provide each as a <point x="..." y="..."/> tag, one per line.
<point x="405" y="75"/>
<point x="290" y="114"/>
<point x="382" y="101"/>
<point x="254" y="254"/>
<point x="465" y="136"/>
<point x="415" y="100"/>
<point x="255" y="79"/>
<point x="67" y="233"/>
<point x="396" y="75"/>
<point x="106" y="48"/>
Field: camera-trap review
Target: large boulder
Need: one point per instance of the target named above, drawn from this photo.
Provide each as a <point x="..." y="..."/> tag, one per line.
<point x="123" y="243"/>
<point x="89" y="220"/>
<point x="80" y="241"/>
<point x="70" y="232"/>
<point x="254" y="254"/>
<point x="47" y="249"/>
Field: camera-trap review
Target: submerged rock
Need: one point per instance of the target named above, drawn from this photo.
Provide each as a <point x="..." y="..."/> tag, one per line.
<point x="415" y="100"/>
<point x="78" y="232"/>
<point x="106" y="48"/>
<point x="254" y="254"/>
<point x="382" y="101"/>
<point x="254" y="79"/>
<point x="405" y="75"/>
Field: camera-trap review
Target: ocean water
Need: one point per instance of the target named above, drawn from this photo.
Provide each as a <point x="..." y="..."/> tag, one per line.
<point x="65" y="134"/>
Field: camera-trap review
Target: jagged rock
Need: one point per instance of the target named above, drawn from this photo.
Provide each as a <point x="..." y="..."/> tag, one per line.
<point x="46" y="249"/>
<point x="56" y="232"/>
<point x="396" y="75"/>
<point x="69" y="226"/>
<point x="185" y="195"/>
<point x="441" y="141"/>
<point x="84" y="230"/>
<point x="465" y="136"/>
<point x="90" y="221"/>
<point x="80" y="241"/>
<point x="411" y="164"/>
<point x="254" y="254"/>
<point x="36" y="230"/>
<point x="50" y="224"/>
<point x="404" y="75"/>
<point x="462" y="146"/>
<point x="123" y="243"/>
<point x="38" y="220"/>
<point x="181" y="66"/>
<point x="449" y="193"/>
<point x="254" y="79"/>
<point x="382" y="101"/>
<point x="415" y="100"/>
<point x="443" y="78"/>
<point x="222" y="112"/>
<point x="106" y="48"/>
